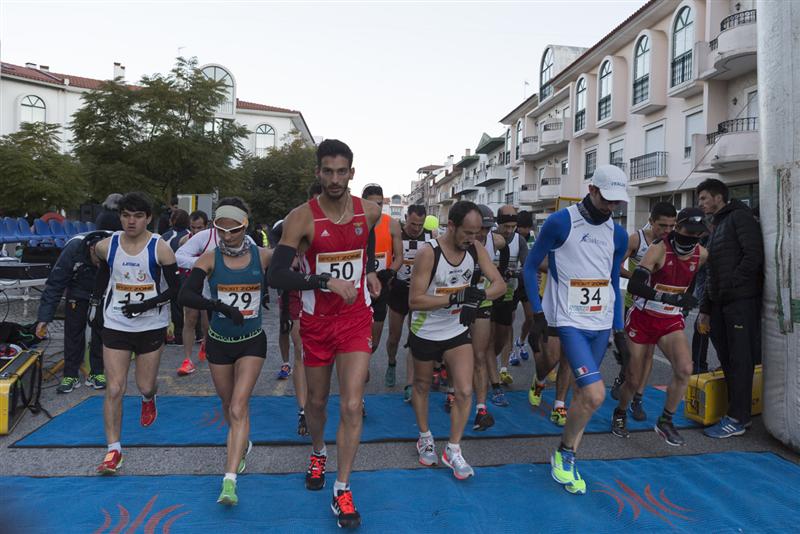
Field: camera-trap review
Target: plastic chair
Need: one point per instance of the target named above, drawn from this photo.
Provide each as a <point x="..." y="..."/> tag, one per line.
<point x="10" y="233"/>
<point x="57" y="229"/>
<point x="90" y="226"/>
<point x="70" y="228"/>
<point x="24" y="230"/>
<point x="82" y="227"/>
<point x="42" y="233"/>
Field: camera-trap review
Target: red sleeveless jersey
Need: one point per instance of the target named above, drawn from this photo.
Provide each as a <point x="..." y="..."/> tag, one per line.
<point x="675" y="276"/>
<point x="341" y="251"/>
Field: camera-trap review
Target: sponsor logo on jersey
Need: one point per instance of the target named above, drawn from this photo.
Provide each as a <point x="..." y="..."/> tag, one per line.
<point x="358" y="229"/>
<point x="580" y="371"/>
<point x="589" y="238"/>
<point x="130" y="264"/>
<point x="324" y="233"/>
<point x="141" y="276"/>
<point x="632" y="332"/>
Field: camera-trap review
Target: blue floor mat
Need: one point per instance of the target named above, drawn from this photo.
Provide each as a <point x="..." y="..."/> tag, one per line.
<point x="722" y="492"/>
<point x="197" y="421"/>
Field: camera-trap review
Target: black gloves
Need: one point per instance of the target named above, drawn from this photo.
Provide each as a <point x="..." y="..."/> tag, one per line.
<point x="687" y="301"/>
<point x="386" y="276"/>
<point x="538" y="329"/>
<point x="469" y="311"/>
<point x="132" y="309"/>
<point x="468" y="294"/>
<point x="621" y="342"/>
<point x="95" y="314"/>
<point x="231" y="312"/>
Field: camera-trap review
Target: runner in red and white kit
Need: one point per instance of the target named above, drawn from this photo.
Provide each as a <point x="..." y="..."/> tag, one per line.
<point x="333" y="233"/>
<point x="661" y="286"/>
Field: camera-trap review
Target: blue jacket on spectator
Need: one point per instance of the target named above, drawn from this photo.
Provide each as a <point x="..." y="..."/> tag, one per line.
<point x="73" y="272"/>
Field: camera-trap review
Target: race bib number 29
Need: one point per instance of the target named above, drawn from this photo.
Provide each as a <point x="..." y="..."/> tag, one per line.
<point x="245" y="297"/>
<point x="588" y="297"/>
<point x="347" y="265"/>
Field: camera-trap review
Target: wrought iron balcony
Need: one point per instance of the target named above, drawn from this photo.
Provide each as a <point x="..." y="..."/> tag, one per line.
<point x="682" y="68"/>
<point x="641" y="89"/>
<point x="580" y="120"/>
<point x="737" y="19"/>
<point x="747" y="124"/>
<point x="650" y="165"/>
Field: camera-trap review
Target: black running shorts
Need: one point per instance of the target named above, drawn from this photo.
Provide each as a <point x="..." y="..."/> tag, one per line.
<point x="398" y="298"/>
<point x="426" y="350"/>
<point x="223" y="353"/>
<point x="503" y="312"/>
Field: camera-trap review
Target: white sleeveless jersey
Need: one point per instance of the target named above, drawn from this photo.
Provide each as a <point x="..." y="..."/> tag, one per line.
<point x="134" y="279"/>
<point x="642" y="250"/>
<point x="578" y="291"/>
<point x="513" y="266"/>
<point x="410" y="247"/>
<point x="443" y="323"/>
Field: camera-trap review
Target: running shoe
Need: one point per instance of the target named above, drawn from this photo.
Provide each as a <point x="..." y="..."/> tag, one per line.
<point x="228" y="494"/>
<point x="559" y="416"/>
<point x="449" y="401"/>
<point x="506" y="378"/>
<point x="564" y="472"/>
<point x="535" y="393"/>
<point x="615" y="387"/>
<point x="437" y="379"/>
<point x="170" y="340"/>
<point x="345" y="511"/>
<point x="637" y="411"/>
<point x="443" y="377"/>
<point x="68" y="384"/>
<point x="315" y="475"/>
<point x="243" y="461"/>
<point x="726" y="428"/>
<point x="513" y="359"/>
<point x="111" y="463"/>
<point x="97" y="381"/>
<point x="667" y="430"/>
<point x="407" y="393"/>
<point x="186" y="368"/>
<point x="455" y="461"/>
<point x="201" y="355"/>
<point x="284" y="372"/>
<point x="499" y="398"/>
<point x="483" y="420"/>
<point x="149" y="412"/>
<point x="391" y="376"/>
<point x="619" y="424"/>
<point x="522" y="349"/>
<point x="302" y="428"/>
<point x="426" y="449"/>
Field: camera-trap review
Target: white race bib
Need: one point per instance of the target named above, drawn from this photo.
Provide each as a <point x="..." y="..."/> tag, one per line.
<point x="660" y="307"/>
<point x="588" y="297"/>
<point x="348" y="265"/>
<point x="245" y="297"/>
<point x="133" y="293"/>
<point x="380" y="257"/>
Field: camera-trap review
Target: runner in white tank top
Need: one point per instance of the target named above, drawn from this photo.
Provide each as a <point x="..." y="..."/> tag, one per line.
<point x="138" y="276"/>
<point x="444" y="300"/>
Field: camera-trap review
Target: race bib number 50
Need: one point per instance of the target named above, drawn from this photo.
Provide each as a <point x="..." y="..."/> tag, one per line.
<point x="342" y="265"/>
<point x="588" y="297"/>
<point x="245" y="297"/>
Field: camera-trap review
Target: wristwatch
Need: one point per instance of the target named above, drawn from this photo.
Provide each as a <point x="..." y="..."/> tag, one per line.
<point x="323" y="280"/>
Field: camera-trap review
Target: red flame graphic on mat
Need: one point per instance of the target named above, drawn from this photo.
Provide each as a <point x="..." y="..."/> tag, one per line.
<point x="213" y="419"/>
<point x="152" y="520"/>
<point x="661" y="508"/>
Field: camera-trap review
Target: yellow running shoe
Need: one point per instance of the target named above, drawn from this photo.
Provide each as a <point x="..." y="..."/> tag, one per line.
<point x="506" y="378"/>
<point x="564" y="472"/>
<point x="228" y="494"/>
<point x="559" y="416"/>
<point x="535" y="393"/>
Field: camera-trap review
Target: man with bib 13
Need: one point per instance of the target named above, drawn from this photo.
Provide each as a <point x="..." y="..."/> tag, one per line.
<point x="334" y="236"/>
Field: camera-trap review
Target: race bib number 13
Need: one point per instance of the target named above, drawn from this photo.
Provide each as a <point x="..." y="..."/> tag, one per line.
<point x="588" y="297"/>
<point x="133" y="293"/>
<point x="342" y="265"/>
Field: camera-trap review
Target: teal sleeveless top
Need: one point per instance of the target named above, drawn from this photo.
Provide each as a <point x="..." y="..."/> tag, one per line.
<point x="241" y="288"/>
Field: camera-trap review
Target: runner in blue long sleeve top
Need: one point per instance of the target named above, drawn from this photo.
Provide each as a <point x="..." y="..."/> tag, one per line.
<point x="584" y="250"/>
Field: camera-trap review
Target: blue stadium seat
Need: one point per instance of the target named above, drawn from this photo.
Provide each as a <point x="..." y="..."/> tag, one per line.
<point x="70" y="228"/>
<point x="83" y="227"/>
<point x="42" y="234"/>
<point x="24" y="230"/>
<point x="57" y="228"/>
<point x="91" y="226"/>
<point x="10" y="233"/>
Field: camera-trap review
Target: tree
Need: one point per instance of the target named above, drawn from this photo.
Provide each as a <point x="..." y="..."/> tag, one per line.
<point x="277" y="183"/>
<point x="160" y="136"/>
<point x="34" y="175"/>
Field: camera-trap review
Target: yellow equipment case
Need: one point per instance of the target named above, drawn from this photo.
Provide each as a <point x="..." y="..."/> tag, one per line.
<point x="20" y="387"/>
<point x="707" y="396"/>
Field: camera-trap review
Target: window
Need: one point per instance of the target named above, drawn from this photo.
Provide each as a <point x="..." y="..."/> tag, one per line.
<point x="32" y="109"/>
<point x="519" y="138"/>
<point x="221" y="75"/>
<point x="564" y="167"/>
<point x="580" y="105"/>
<point x="545" y="74"/>
<point x="265" y="139"/>
<point x="641" y="71"/>
<point x="214" y="126"/>
<point x="616" y="153"/>
<point x="590" y="163"/>
<point x="682" y="43"/>
<point x="694" y="125"/>
<point x="654" y="140"/>
<point x="752" y="104"/>
<point x="508" y="143"/>
<point x="604" y="104"/>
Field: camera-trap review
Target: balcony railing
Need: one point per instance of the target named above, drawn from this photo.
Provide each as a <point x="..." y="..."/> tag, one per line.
<point x="737" y="19"/>
<point x="747" y="124"/>
<point x="621" y="164"/>
<point x="530" y="139"/>
<point x="682" y="68"/>
<point x="551" y="181"/>
<point x="713" y="44"/>
<point x="687" y="151"/>
<point x="604" y="108"/>
<point x="528" y="187"/>
<point x="649" y="166"/>
<point x="551" y="126"/>
<point x="641" y="89"/>
<point x="580" y="120"/>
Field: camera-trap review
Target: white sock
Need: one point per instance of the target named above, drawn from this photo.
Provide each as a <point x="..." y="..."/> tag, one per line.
<point x="558" y="404"/>
<point x="426" y="435"/>
<point x="504" y="369"/>
<point x="115" y="447"/>
<point x="323" y="452"/>
<point x="340" y="486"/>
<point x="454" y="447"/>
<point x="230" y="476"/>
<point x="145" y="399"/>
<point x="479" y="406"/>
<point x="518" y="342"/>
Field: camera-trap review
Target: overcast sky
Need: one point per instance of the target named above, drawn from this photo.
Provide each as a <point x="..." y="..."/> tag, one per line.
<point x="405" y="84"/>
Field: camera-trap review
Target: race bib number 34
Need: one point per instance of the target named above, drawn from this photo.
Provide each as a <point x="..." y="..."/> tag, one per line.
<point x="342" y="265"/>
<point x="245" y="297"/>
<point x="588" y="297"/>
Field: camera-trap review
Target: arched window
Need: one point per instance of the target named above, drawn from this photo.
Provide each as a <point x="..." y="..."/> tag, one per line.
<point x="221" y="75"/>
<point x="545" y="74"/>
<point x="580" y="105"/>
<point x="519" y="137"/>
<point x="265" y="139"/>
<point x="682" y="44"/>
<point x="641" y="70"/>
<point x="32" y="109"/>
<point x="604" y="103"/>
<point x="507" y="153"/>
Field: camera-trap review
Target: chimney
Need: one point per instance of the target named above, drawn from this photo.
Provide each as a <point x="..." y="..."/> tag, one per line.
<point x="119" y="71"/>
<point x="468" y="152"/>
<point x="30" y="65"/>
<point x="45" y="68"/>
<point x="450" y="160"/>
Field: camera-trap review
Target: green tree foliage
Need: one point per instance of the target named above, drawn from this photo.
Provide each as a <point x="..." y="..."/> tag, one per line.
<point x="277" y="183"/>
<point x="160" y="136"/>
<point x="34" y="175"/>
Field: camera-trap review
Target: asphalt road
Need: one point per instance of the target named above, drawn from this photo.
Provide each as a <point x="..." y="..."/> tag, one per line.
<point x="285" y="459"/>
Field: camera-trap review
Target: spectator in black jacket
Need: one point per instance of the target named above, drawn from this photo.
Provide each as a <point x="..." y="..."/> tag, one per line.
<point x="731" y="305"/>
<point x="166" y="216"/>
<point x="74" y="272"/>
<point x="108" y="219"/>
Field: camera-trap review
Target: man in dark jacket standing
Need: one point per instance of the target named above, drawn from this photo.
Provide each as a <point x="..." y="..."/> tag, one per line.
<point x="731" y="304"/>
<point x="108" y="219"/>
<point x="74" y="272"/>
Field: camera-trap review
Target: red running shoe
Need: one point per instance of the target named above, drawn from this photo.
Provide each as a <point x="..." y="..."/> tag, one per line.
<point x="201" y="356"/>
<point x="111" y="463"/>
<point x="315" y="475"/>
<point x="186" y="368"/>
<point x="344" y="510"/>
<point x="149" y="412"/>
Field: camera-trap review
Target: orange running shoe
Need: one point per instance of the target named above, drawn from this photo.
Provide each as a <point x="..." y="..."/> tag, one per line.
<point x="111" y="463"/>
<point x="186" y="368"/>
<point x="149" y="412"/>
<point x="201" y="356"/>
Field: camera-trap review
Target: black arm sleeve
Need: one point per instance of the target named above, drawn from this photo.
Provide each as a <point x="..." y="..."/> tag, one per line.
<point x="638" y="284"/>
<point x="101" y="281"/>
<point x="372" y="265"/>
<point x="173" y="285"/>
<point x="191" y="294"/>
<point x="281" y="275"/>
